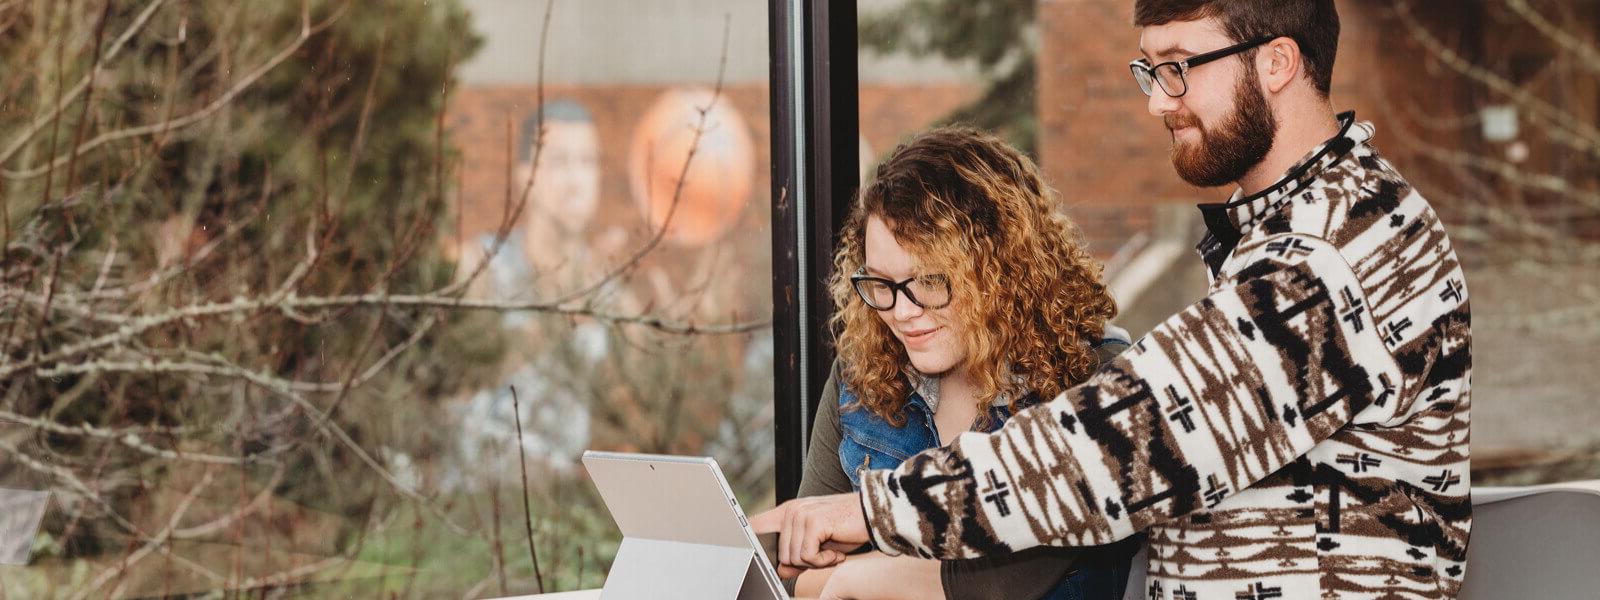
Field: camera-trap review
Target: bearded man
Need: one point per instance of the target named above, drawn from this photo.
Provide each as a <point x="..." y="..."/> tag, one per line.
<point x="1300" y="432"/>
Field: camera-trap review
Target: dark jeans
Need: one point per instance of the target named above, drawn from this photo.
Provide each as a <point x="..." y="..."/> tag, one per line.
<point x="1102" y="572"/>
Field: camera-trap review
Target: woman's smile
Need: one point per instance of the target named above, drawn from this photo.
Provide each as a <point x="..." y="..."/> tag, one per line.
<point x="919" y="338"/>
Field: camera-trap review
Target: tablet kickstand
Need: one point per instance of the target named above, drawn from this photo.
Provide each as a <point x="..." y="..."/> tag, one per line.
<point x="667" y="570"/>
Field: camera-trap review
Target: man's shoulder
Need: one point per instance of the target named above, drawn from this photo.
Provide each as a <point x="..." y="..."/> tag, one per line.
<point x="1356" y="205"/>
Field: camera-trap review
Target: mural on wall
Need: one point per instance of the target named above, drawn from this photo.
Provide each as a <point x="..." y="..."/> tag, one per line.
<point x="552" y="248"/>
<point x="604" y="181"/>
<point x="718" y="181"/>
<point x="690" y="174"/>
<point x="698" y="199"/>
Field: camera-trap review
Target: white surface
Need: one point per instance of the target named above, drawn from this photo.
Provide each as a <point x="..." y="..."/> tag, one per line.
<point x="20" y="513"/>
<point x="578" y="595"/>
<point x="676" y="571"/>
<point x="667" y="498"/>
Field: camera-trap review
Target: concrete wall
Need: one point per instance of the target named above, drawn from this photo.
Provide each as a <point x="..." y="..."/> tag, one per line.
<point x="651" y="42"/>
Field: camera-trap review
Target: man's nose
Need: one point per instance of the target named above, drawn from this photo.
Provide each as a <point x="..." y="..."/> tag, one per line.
<point x="1160" y="104"/>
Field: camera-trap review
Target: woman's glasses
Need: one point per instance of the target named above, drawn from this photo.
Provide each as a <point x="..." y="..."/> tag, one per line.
<point x="927" y="291"/>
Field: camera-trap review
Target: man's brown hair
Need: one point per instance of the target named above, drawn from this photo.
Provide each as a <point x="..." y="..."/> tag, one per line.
<point x="1313" y="24"/>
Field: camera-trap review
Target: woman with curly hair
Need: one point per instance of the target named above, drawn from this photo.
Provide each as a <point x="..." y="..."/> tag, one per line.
<point x="960" y="298"/>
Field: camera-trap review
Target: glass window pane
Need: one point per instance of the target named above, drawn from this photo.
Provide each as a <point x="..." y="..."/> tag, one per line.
<point x="296" y="297"/>
<point x="926" y="62"/>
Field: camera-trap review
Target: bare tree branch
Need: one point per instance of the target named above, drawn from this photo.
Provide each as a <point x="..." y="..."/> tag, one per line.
<point x="306" y="31"/>
<point x="1583" y="136"/>
<point x="69" y="97"/>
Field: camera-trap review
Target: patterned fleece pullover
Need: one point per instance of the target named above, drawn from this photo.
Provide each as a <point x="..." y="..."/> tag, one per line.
<point x="1301" y="432"/>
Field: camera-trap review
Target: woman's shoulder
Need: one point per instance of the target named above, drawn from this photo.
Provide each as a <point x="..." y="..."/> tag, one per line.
<point x="840" y="387"/>
<point x="1113" y="334"/>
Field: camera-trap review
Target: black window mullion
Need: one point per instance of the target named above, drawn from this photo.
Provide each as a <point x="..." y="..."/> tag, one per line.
<point x="814" y="115"/>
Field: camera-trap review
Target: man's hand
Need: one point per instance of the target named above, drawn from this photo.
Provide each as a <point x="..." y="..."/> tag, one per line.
<point x="815" y="532"/>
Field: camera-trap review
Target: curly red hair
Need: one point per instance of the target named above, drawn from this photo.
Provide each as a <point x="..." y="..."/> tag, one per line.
<point x="968" y="205"/>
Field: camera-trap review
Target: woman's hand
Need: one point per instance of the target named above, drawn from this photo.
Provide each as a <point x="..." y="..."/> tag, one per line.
<point x="878" y="577"/>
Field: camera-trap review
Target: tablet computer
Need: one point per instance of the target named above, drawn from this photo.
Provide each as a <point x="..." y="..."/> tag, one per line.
<point x="684" y="534"/>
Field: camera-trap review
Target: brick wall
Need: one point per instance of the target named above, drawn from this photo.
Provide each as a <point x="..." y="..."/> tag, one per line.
<point x="1097" y="144"/>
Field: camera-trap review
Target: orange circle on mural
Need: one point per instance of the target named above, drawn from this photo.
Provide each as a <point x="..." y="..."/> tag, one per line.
<point x="719" y="178"/>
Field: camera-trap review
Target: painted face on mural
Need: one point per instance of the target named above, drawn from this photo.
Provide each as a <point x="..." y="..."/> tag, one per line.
<point x="566" y="180"/>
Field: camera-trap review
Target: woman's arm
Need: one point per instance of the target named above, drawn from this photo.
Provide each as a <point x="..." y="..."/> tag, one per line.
<point x="874" y="576"/>
<point x="822" y="474"/>
<point x="811" y="583"/>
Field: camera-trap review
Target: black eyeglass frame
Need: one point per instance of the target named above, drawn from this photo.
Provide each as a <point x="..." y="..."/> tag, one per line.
<point x="1140" y="64"/>
<point x="895" y="288"/>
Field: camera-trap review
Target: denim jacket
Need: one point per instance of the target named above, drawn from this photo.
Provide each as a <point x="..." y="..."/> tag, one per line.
<point x="872" y="442"/>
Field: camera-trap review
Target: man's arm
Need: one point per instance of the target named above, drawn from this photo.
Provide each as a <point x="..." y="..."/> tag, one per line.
<point x="1031" y="573"/>
<point x="1217" y="397"/>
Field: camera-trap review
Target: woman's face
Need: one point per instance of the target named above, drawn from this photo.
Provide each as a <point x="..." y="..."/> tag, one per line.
<point x="931" y="337"/>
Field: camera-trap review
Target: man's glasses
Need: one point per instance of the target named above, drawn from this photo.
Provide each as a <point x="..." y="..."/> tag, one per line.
<point x="927" y="291"/>
<point x="1173" y="76"/>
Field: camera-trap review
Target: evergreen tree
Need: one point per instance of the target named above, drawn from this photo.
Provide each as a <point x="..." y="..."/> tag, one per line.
<point x="998" y="36"/>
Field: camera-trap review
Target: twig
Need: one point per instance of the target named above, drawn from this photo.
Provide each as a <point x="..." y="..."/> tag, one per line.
<point x="153" y="543"/>
<point x="88" y="98"/>
<point x="1588" y="56"/>
<point x="256" y="503"/>
<point x="498" y="545"/>
<point x="1587" y="136"/>
<point x="134" y="326"/>
<point x="527" y="504"/>
<point x="126" y="438"/>
<point x="276" y="385"/>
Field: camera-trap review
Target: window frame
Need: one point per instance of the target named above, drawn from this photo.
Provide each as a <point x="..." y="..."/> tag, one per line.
<point x="815" y="118"/>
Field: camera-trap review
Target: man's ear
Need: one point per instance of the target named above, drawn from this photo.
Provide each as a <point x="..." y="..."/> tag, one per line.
<point x="1279" y="62"/>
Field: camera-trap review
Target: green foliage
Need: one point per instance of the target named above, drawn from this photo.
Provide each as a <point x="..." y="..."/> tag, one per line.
<point x="209" y="190"/>
<point x="998" y="36"/>
<point x="255" y="153"/>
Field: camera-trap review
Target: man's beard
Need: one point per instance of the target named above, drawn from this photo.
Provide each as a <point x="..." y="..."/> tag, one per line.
<point x="1225" y="154"/>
